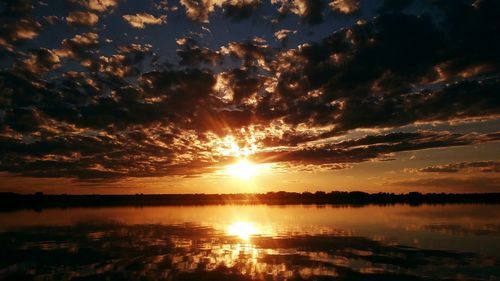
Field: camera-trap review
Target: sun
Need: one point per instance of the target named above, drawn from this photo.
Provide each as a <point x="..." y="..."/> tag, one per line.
<point x="243" y="169"/>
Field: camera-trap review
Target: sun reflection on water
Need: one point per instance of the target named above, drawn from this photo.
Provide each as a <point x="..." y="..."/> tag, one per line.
<point x="243" y="230"/>
<point x="247" y="244"/>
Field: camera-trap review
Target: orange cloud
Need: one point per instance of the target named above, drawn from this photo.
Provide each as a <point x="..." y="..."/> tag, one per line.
<point x="82" y="18"/>
<point x="140" y="20"/>
<point x="345" y="6"/>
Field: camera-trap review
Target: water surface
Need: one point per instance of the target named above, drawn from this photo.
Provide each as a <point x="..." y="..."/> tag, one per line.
<point x="253" y="242"/>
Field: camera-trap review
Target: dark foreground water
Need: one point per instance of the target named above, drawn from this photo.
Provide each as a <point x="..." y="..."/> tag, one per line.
<point x="444" y="242"/>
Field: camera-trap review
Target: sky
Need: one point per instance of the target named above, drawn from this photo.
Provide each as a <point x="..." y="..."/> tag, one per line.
<point x="226" y="96"/>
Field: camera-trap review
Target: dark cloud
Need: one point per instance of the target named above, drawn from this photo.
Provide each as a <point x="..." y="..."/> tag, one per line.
<point x="395" y="5"/>
<point x="17" y="24"/>
<point x="459" y="100"/>
<point x="310" y="11"/>
<point x="192" y="54"/>
<point x="392" y="69"/>
<point x="39" y="61"/>
<point x="23" y="120"/>
<point x="240" y="10"/>
<point x="252" y="53"/>
<point x="372" y="147"/>
<point x="482" y="166"/>
<point x="95" y="5"/>
<point x="102" y="157"/>
<point x="243" y="84"/>
<point x="93" y="107"/>
<point x="125" y="63"/>
<point x="82" y="47"/>
<point x="200" y="10"/>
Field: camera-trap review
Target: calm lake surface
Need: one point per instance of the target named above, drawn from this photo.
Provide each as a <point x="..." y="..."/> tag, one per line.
<point x="252" y="242"/>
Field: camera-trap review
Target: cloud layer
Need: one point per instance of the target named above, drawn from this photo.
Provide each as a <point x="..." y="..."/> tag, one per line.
<point x="92" y="108"/>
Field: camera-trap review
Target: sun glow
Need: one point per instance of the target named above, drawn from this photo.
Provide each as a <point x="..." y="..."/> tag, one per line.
<point x="243" y="169"/>
<point x="228" y="146"/>
<point x="243" y="230"/>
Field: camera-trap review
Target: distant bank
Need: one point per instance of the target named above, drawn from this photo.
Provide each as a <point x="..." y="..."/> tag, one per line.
<point x="13" y="201"/>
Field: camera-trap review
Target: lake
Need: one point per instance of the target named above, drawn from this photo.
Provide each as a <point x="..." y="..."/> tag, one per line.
<point x="253" y="242"/>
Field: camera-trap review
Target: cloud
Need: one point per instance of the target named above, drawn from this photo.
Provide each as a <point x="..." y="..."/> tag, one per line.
<point x="344" y="6"/>
<point x="371" y="147"/>
<point x="191" y="53"/>
<point x="365" y="69"/>
<point x="470" y="184"/>
<point x="141" y="20"/>
<point x="96" y="5"/>
<point x="252" y="53"/>
<point x="39" y="61"/>
<point x="125" y="62"/>
<point x="24" y="120"/>
<point x="81" y="47"/>
<point x="240" y="9"/>
<point x="199" y="10"/>
<point x="310" y="11"/>
<point x="282" y="34"/>
<point x="17" y="24"/>
<point x="96" y="108"/>
<point x="481" y="166"/>
<point x="82" y="18"/>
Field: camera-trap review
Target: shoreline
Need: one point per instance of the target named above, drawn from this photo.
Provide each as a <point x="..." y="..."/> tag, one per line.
<point x="15" y="201"/>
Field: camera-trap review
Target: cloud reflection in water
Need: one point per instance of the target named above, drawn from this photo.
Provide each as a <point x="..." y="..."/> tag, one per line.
<point x="115" y="251"/>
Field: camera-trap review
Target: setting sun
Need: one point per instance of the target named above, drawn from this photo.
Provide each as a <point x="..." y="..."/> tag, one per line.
<point x="250" y="140"/>
<point x="243" y="169"/>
